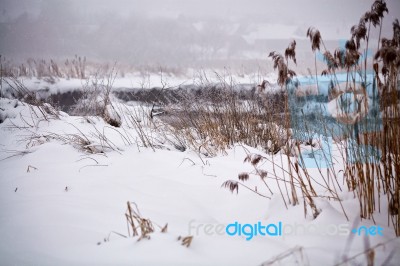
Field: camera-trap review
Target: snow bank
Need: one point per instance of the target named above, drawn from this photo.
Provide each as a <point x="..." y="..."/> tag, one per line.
<point x="60" y="201"/>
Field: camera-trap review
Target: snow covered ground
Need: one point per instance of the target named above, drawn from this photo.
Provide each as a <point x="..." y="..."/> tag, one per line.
<point x="65" y="182"/>
<point x="139" y="80"/>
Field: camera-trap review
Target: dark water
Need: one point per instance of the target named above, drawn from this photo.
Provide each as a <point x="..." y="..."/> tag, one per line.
<point x="68" y="100"/>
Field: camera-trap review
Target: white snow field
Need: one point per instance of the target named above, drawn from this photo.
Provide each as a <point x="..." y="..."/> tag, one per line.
<point x="146" y="80"/>
<point x="65" y="182"/>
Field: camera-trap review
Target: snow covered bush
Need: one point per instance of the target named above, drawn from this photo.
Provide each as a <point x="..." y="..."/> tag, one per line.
<point x="96" y="100"/>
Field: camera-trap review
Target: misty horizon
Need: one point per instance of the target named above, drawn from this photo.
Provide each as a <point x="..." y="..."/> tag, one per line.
<point x="174" y="33"/>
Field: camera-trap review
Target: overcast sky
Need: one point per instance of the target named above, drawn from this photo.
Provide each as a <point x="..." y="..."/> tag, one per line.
<point x="313" y="11"/>
<point x="161" y="31"/>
